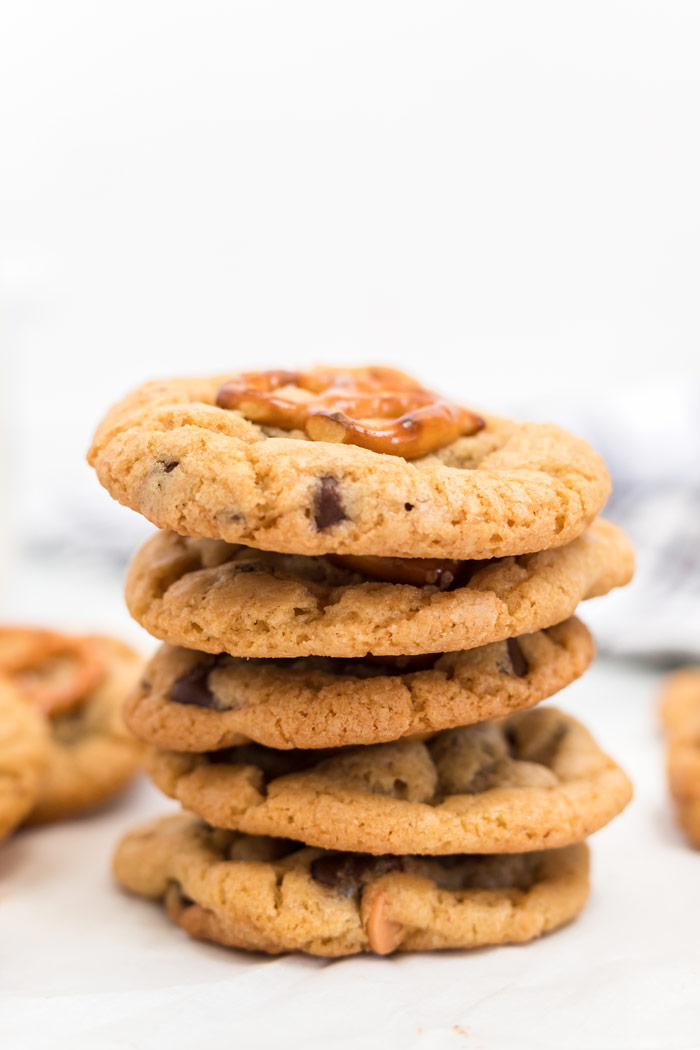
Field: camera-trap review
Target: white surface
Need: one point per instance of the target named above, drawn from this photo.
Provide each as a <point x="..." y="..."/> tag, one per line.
<point x="85" y="966"/>
<point x="501" y="196"/>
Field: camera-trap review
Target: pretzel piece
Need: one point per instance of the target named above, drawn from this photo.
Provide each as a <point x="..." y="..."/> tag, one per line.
<point x="379" y="409"/>
<point x="54" y="671"/>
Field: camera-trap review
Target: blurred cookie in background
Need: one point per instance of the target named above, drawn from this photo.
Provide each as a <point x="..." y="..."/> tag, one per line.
<point x="680" y="715"/>
<point x="24" y="751"/>
<point x="71" y="689"/>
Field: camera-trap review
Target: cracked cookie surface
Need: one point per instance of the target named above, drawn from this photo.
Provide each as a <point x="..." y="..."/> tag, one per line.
<point x="190" y="701"/>
<point x="533" y="780"/>
<point x="216" y="597"/>
<point x="680" y="713"/>
<point x="168" y="451"/>
<point x="264" y="895"/>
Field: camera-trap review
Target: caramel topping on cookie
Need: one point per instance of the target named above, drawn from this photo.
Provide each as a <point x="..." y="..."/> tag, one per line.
<point x="418" y="572"/>
<point x="379" y="409"/>
<point x="54" y="671"/>
<point x="443" y="573"/>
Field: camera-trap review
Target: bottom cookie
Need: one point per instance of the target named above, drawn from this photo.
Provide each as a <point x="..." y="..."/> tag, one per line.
<point x="680" y="713"/>
<point x="276" y="896"/>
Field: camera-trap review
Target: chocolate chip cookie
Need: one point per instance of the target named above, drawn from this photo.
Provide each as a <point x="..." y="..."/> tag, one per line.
<point x="24" y="756"/>
<point x="275" y="896"/>
<point x="217" y="597"/>
<point x="190" y="701"/>
<point x="680" y="713"/>
<point x="78" y="684"/>
<point x="355" y="461"/>
<point x="534" y="780"/>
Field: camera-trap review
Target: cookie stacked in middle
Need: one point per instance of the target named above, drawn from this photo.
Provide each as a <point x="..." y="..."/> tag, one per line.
<point x="363" y="689"/>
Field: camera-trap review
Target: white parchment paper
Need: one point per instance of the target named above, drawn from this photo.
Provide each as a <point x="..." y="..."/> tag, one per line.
<point x="83" y="965"/>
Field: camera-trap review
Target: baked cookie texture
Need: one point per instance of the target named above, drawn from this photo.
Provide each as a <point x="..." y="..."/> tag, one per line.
<point x="24" y="756"/>
<point x="216" y="597"/>
<point x="168" y="451"/>
<point x="189" y="701"/>
<point x="271" y="896"/>
<point x="534" y="780"/>
<point x="680" y="714"/>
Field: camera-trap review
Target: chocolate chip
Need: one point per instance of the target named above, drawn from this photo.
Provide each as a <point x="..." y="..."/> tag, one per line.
<point x="167" y="467"/>
<point x="192" y="687"/>
<point x="408" y="506"/>
<point x="328" y="507"/>
<point x="517" y="658"/>
<point x="345" y="872"/>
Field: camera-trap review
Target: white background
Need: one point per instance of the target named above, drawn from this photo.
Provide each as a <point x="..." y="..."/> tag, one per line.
<point x="502" y="197"/>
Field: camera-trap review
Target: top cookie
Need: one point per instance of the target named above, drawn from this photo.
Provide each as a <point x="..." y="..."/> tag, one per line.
<point x="361" y="461"/>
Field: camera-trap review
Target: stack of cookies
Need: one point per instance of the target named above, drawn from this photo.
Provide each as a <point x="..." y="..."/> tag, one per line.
<point x="364" y="589"/>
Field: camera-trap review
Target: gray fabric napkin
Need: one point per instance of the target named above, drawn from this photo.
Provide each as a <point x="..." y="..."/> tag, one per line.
<point x="650" y="439"/>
